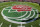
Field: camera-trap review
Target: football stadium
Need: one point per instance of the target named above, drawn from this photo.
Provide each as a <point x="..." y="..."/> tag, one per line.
<point x="19" y="14"/>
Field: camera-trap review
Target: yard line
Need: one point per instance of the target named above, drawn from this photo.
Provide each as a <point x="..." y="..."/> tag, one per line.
<point x="31" y="26"/>
<point x="21" y="24"/>
<point x="1" y="24"/>
<point x="9" y="10"/>
<point x="10" y="25"/>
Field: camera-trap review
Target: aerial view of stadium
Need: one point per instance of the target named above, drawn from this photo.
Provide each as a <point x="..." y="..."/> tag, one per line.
<point x="19" y="13"/>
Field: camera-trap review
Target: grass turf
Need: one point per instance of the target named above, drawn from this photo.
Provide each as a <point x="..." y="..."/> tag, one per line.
<point x="6" y="4"/>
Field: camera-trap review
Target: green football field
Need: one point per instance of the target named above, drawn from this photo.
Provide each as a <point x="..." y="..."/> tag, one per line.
<point x="9" y="4"/>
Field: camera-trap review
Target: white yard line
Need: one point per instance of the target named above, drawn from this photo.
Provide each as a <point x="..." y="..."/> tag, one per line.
<point x="9" y="10"/>
<point x="21" y="24"/>
<point x="10" y="25"/>
<point x="1" y="24"/>
<point x="31" y="25"/>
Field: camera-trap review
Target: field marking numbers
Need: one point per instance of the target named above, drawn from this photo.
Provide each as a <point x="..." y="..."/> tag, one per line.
<point x="1" y="24"/>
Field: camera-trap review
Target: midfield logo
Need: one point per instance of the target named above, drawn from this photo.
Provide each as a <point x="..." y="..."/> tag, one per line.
<point x="20" y="14"/>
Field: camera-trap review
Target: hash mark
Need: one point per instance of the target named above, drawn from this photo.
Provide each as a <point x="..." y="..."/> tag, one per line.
<point x="1" y="24"/>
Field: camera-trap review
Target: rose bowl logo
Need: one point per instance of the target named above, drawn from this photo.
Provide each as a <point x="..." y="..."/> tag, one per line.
<point x="22" y="8"/>
<point x="19" y="14"/>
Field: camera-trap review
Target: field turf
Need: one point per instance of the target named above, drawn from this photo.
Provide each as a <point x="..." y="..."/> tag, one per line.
<point x="6" y="23"/>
